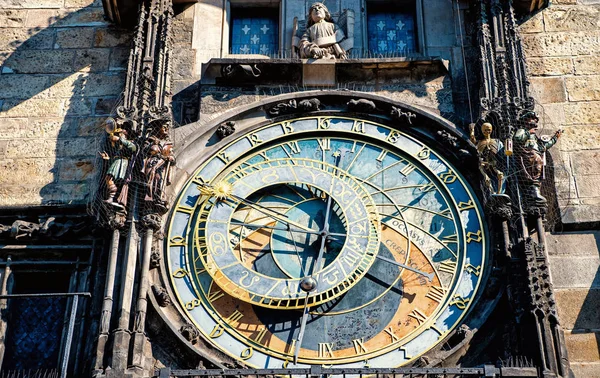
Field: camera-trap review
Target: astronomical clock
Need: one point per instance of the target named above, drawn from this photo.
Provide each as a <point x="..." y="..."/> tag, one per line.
<point x="325" y="239"/>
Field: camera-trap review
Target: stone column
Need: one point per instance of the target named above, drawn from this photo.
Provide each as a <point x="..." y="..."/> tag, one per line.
<point x="107" y="303"/>
<point x="4" y="289"/>
<point x="122" y="333"/>
<point x="142" y="302"/>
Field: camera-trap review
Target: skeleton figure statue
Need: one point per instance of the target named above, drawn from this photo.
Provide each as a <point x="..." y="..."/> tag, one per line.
<point x="322" y="36"/>
<point x="488" y="149"/>
<point x="530" y="151"/>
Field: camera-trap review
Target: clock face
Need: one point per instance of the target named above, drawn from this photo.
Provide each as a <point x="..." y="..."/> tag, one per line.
<point x="326" y="240"/>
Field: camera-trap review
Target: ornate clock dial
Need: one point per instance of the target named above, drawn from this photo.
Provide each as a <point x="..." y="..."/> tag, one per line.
<point x="388" y="231"/>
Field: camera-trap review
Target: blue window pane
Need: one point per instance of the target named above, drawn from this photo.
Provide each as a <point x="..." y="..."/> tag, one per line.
<point x="254" y="35"/>
<point x="391" y="32"/>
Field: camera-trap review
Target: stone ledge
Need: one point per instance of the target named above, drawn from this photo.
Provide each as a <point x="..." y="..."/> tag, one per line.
<point x="290" y="71"/>
<point x="573" y="212"/>
<point x="571" y="244"/>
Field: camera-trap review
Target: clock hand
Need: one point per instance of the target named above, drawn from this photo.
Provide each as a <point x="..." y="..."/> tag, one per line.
<point x="250" y="225"/>
<point x="224" y="191"/>
<point x="428" y="275"/>
<point x="316" y="266"/>
<point x="272" y="213"/>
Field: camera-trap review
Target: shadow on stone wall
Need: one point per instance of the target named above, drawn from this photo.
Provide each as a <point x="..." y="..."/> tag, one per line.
<point x="58" y="86"/>
<point x="588" y="318"/>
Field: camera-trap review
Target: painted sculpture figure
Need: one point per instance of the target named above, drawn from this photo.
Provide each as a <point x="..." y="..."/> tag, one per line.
<point x="488" y="148"/>
<point x="531" y="154"/>
<point x="119" y="156"/>
<point x="322" y="37"/>
<point x="158" y="166"/>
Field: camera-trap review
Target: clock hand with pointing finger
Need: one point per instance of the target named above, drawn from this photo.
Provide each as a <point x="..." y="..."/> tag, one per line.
<point x="308" y="283"/>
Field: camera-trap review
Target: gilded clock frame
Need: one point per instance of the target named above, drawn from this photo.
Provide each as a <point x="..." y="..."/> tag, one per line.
<point x="478" y="270"/>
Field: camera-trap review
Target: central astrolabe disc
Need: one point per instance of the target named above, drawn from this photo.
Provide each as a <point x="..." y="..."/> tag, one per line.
<point x="320" y="246"/>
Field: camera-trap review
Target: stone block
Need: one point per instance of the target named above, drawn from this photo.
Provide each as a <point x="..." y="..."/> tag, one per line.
<point x="42" y="61"/>
<point x="19" y="86"/>
<point x="26" y="172"/>
<point x="586" y="370"/>
<point x="572" y="212"/>
<point x="64" y="193"/>
<point x="72" y="147"/>
<point x="88" y="85"/>
<point x="561" y="44"/>
<point x="3" y="147"/>
<point x="13" y="127"/>
<point x="12" y="18"/>
<point x="47" y="128"/>
<point x="67" y="86"/>
<point x="41" y="18"/>
<point x="583" y="88"/>
<point x="582" y="113"/>
<point x="548" y="89"/>
<point x="581" y="137"/>
<point x="552" y="115"/>
<point x="318" y="73"/>
<point x="32" y="108"/>
<point x="82" y="3"/>
<point x="550" y="66"/>
<point x="17" y="38"/>
<point x="578" y="308"/>
<point x="82" y="17"/>
<point x="118" y="59"/>
<point x="31" y="148"/>
<point x="183" y="63"/>
<point x="5" y="4"/>
<point x="89" y="126"/>
<point x="78" y="106"/>
<point x="533" y="25"/>
<point x="19" y="195"/>
<point x="581" y="243"/>
<point x="575" y="272"/>
<point x="565" y="189"/>
<point x="105" y="84"/>
<point x="112" y="37"/>
<point x="106" y="106"/>
<point x="587" y="65"/>
<point x="75" y="169"/>
<point x="587" y="186"/>
<point x="578" y="18"/>
<point x="585" y="163"/>
<point x="70" y="38"/>
<point x="583" y="346"/>
<point x="92" y="60"/>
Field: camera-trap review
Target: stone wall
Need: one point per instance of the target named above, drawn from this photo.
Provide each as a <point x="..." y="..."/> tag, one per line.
<point x="62" y="74"/>
<point x="62" y="71"/>
<point x="562" y="44"/>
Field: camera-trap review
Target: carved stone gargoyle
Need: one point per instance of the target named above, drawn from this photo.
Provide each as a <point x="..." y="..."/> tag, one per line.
<point x="333" y="40"/>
